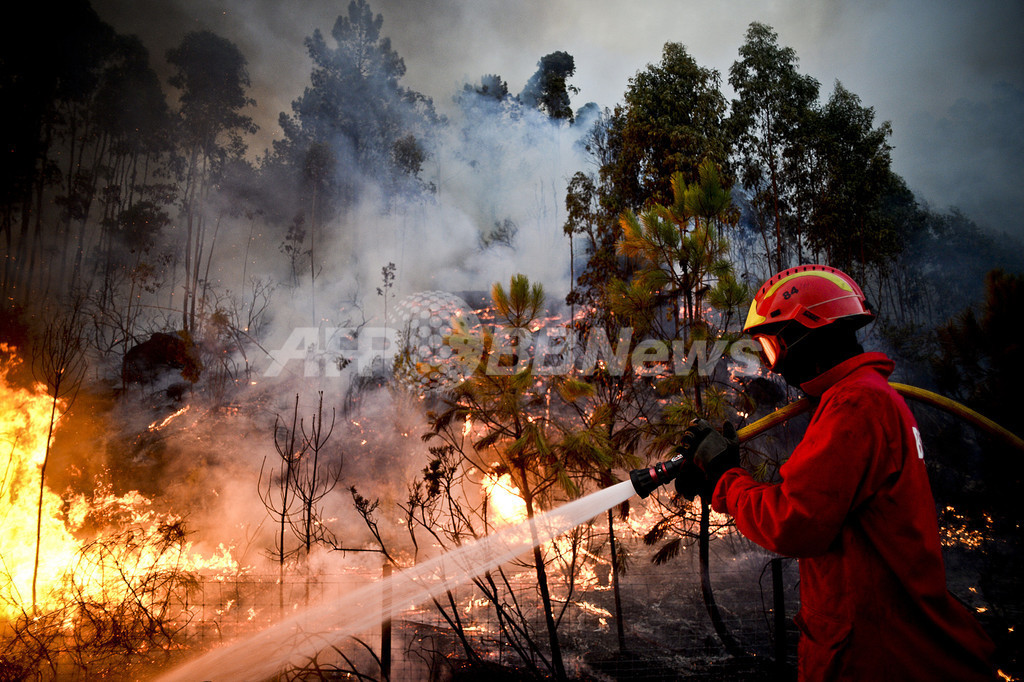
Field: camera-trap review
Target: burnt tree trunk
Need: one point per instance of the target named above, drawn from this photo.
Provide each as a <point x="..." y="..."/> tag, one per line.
<point x="619" y="628"/>
<point x="558" y="667"/>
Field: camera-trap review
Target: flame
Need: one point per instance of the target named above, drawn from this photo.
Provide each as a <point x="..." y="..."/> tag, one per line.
<point x="134" y="541"/>
<point x="594" y="609"/>
<point x="24" y="423"/>
<point x="159" y="424"/>
<point x="506" y="508"/>
<point x="503" y="499"/>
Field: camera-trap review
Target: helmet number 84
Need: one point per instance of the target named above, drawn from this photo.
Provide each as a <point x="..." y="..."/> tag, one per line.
<point x="787" y="294"/>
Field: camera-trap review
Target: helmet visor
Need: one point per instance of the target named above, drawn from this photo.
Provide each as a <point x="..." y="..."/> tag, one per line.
<point x="771" y="348"/>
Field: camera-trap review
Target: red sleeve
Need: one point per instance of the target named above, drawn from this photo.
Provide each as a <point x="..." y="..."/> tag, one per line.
<point x="821" y="482"/>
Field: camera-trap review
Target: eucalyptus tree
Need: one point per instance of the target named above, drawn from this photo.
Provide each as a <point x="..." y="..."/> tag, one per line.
<point x="212" y="76"/>
<point x="55" y="145"/>
<point x="673" y="118"/>
<point x="768" y="123"/>
<point x="851" y="178"/>
<point x="133" y="116"/>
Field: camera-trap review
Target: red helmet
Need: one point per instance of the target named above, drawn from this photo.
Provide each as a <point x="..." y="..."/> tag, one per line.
<point x="810" y="295"/>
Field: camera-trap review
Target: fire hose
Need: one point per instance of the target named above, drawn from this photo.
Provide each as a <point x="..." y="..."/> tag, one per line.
<point x="646" y="480"/>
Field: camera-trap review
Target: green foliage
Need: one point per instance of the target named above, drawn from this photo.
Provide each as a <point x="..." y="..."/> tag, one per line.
<point x="681" y="253"/>
<point x="819" y="175"/>
<point x="767" y="122"/>
<point x="852" y="171"/>
<point x="520" y="305"/>
<point x="519" y="428"/>
<point x="672" y="120"/>
<point x="548" y="88"/>
<point x="512" y="425"/>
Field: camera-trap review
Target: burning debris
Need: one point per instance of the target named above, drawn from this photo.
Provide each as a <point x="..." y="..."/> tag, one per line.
<point x="98" y="577"/>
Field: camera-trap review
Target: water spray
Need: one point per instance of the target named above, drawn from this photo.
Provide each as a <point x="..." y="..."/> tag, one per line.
<point x="646" y="481"/>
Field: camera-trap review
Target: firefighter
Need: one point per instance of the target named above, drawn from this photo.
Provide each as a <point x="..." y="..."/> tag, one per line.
<point x="854" y="505"/>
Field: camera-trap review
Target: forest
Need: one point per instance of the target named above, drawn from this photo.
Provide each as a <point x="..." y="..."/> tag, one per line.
<point x="241" y="383"/>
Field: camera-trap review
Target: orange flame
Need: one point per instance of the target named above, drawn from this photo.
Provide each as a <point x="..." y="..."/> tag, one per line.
<point x="159" y="424"/>
<point x="503" y="499"/>
<point x="24" y="424"/>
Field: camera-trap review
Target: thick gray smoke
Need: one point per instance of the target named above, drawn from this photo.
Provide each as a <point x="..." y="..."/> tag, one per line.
<point x="498" y="174"/>
<point x="939" y="71"/>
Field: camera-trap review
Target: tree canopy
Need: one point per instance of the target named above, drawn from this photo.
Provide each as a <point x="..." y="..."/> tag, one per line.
<point x="548" y="88"/>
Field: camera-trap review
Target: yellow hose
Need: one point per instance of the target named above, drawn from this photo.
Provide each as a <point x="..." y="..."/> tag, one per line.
<point x="798" y="407"/>
<point x="783" y="414"/>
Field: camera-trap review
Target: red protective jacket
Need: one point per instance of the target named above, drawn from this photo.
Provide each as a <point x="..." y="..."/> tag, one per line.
<point x="856" y="508"/>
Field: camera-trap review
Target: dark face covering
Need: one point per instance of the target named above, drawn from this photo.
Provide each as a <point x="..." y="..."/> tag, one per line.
<point x="797" y="368"/>
<point x="811" y="352"/>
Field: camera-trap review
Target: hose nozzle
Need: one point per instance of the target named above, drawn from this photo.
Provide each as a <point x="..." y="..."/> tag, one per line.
<point x="646" y="480"/>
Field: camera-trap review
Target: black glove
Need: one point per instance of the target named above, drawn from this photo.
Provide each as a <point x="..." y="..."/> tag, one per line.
<point x="714" y="453"/>
<point x="690" y="480"/>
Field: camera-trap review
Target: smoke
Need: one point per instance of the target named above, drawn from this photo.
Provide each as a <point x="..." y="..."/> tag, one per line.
<point x="910" y="60"/>
<point x="494" y="167"/>
<point x="204" y="462"/>
<point x="498" y="210"/>
<point x="970" y="153"/>
<point x="510" y="172"/>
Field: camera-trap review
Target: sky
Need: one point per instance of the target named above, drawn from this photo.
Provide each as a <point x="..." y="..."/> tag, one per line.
<point x="947" y="74"/>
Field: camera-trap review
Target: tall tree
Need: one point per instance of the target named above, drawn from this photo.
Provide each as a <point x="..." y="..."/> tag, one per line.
<point x="672" y="120"/>
<point x="851" y="174"/>
<point x="212" y="75"/>
<point x="135" y="124"/>
<point x="548" y="89"/>
<point x="48" y="93"/>
<point x="766" y="122"/>
<point x="355" y="108"/>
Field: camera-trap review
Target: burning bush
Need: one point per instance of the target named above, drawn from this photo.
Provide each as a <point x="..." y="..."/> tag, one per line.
<point x="99" y="583"/>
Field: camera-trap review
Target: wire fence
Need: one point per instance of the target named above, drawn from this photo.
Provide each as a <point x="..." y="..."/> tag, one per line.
<point x="667" y="631"/>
